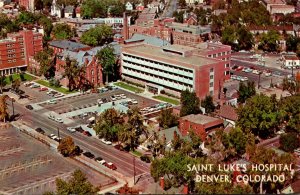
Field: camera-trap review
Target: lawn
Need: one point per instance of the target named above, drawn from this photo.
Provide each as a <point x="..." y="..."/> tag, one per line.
<point x="129" y="87"/>
<point x="60" y="89"/>
<point x="136" y="153"/>
<point x="27" y="77"/>
<point x="166" y="99"/>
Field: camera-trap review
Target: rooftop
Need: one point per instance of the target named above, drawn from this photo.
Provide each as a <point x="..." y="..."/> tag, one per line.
<point x="68" y="45"/>
<point x="147" y="39"/>
<point x="290" y="57"/>
<point x="274" y="1"/>
<point x="282" y="6"/>
<point x="201" y="119"/>
<point x="153" y="52"/>
<point x="228" y="112"/>
<point x="190" y="28"/>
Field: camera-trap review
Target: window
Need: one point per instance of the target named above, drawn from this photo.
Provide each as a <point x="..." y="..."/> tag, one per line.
<point x="226" y="65"/>
<point x="8" y="45"/>
<point x="211" y="84"/>
<point x="211" y="70"/>
<point x="211" y="77"/>
<point x="214" y="55"/>
<point x="227" y="72"/>
<point x="92" y="72"/>
<point x="211" y="93"/>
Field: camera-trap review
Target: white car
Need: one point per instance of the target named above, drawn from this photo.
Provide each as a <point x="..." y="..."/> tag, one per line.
<point x="51" y="101"/>
<point x="255" y="72"/>
<point x="134" y="101"/>
<point x="106" y="142"/>
<point x="59" y="120"/>
<point x="58" y="95"/>
<point x="233" y="77"/>
<point x="51" y="117"/>
<point x="267" y="74"/>
<point x="71" y="129"/>
<point x="51" y="135"/>
<point x="102" y="162"/>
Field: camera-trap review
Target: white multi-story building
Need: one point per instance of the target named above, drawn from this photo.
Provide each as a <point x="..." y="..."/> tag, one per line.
<point x="172" y="68"/>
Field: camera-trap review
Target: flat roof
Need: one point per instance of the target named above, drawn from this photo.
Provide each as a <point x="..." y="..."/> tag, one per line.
<point x="274" y="1"/>
<point x="157" y="53"/>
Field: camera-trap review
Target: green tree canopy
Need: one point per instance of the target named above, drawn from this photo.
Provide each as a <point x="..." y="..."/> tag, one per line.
<point x="289" y="108"/>
<point x="289" y="142"/>
<point x="78" y="184"/>
<point x="67" y="147"/>
<point x="167" y="119"/>
<point x="62" y="31"/>
<point x="47" y="62"/>
<point x="107" y="59"/>
<point x="259" y="115"/>
<point x="72" y="72"/>
<point x="97" y="36"/>
<point x="269" y="41"/>
<point x="246" y="91"/>
<point x="190" y="103"/>
<point x="208" y="104"/>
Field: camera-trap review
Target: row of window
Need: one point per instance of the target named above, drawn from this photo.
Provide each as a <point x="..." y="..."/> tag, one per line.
<point x="147" y="81"/>
<point x="163" y="71"/>
<point x="219" y="54"/>
<point x="159" y="63"/>
<point x="156" y="76"/>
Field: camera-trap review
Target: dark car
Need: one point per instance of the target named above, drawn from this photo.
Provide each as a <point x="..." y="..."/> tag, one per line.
<point x="40" y="130"/>
<point x="29" y="107"/>
<point x="145" y="159"/>
<point x="119" y="147"/>
<point x="79" y="129"/>
<point x="104" y="100"/>
<point x="98" y="159"/>
<point x="89" y="155"/>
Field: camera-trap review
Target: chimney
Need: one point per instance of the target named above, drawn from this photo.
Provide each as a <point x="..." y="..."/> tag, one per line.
<point x="185" y="189"/>
<point x="125" y="27"/>
<point x="162" y="183"/>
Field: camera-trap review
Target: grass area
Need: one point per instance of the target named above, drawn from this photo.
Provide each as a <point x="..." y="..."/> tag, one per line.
<point x="136" y="153"/>
<point x="166" y="99"/>
<point x="27" y="77"/>
<point x="60" y="89"/>
<point x="129" y="87"/>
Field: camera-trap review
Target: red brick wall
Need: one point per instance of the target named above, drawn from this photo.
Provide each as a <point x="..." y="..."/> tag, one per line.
<point x="185" y="126"/>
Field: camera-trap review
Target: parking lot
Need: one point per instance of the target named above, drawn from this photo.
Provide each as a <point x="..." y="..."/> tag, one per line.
<point x="29" y="167"/>
<point x="89" y="100"/>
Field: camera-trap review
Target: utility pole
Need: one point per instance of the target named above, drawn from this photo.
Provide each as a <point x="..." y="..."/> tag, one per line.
<point x="259" y="80"/>
<point x="58" y="134"/>
<point x="12" y="103"/>
<point x="133" y="170"/>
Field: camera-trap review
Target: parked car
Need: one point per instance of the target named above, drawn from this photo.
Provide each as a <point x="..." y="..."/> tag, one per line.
<point x="268" y="73"/>
<point x="255" y="72"/>
<point x="51" y="135"/>
<point x="145" y="159"/>
<point x="28" y="83"/>
<point x="35" y="86"/>
<point x="89" y="155"/>
<point x="52" y="101"/>
<point x="51" y="117"/>
<point x="113" y="98"/>
<point x="123" y="96"/>
<point x="40" y="130"/>
<point x="239" y="68"/>
<point x="106" y="142"/>
<point x="87" y="133"/>
<point x="134" y="101"/>
<point x="119" y="147"/>
<point x="233" y="77"/>
<point x="59" y="120"/>
<point x="29" y="107"/>
<point x="71" y="129"/>
<point x="99" y="159"/>
<point x="111" y="166"/>
<point x="79" y="129"/>
<point x="58" y="95"/>
<point x="43" y="89"/>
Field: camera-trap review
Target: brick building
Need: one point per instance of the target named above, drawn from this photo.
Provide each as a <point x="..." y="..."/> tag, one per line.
<point x="174" y="68"/>
<point x="16" y="49"/>
<point x="177" y="33"/>
<point x="202" y="125"/>
<point x="282" y="9"/>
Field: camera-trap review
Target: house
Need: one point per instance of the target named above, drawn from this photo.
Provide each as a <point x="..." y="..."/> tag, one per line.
<point x="190" y="19"/>
<point x="68" y="11"/>
<point x="128" y="6"/>
<point x="202" y="125"/>
<point x="140" y="7"/>
<point x="228" y="113"/>
<point x="290" y="61"/>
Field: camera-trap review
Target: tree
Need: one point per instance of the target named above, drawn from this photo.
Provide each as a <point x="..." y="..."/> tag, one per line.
<point x="117" y="10"/>
<point x="208" y="104"/>
<point x="289" y="142"/>
<point x="3" y="108"/>
<point x="78" y="184"/>
<point x="245" y="39"/>
<point x="292" y="86"/>
<point x="182" y="3"/>
<point x="97" y="36"/>
<point x="289" y="109"/>
<point x="2" y="82"/>
<point x="67" y="147"/>
<point x="22" y="76"/>
<point x="178" y="16"/>
<point x="26" y="18"/>
<point x="72" y="72"/>
<point x="128" y="136"/>
<point x="47" y="62"/>
<point x="94" y="9"/>
<point x="16" y="85"/>
<point x="229" y="36"/>
<point x="107" y="59"/>
<point x="246" y="91"/>
<point x="259" y="115"/>
<point x="235" y="139"/>
<point x="167" y="119"/>
<point x="291" y="43"/>
<point x="109" y="123"/>
<point x="47" y="25"/>
<point x="62" y="31"/>
<point x="269" y="41"/>
<point x="190" y="103"/>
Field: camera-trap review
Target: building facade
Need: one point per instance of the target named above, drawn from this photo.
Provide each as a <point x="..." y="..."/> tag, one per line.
<point x="172" y="69"/>
<point x="202" y="125"/>
<point x="16" y="49"/>
<point x="28" y="4"/>
<point x="60" y="46"/>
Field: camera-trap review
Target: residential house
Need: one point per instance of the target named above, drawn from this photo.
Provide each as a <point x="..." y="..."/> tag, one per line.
<point x="140" y="7"/>
<point x="228" y="114"/>
<point x="202" y="125"/>
<point x="290" y="61"/>
<point x="128" y="6"/>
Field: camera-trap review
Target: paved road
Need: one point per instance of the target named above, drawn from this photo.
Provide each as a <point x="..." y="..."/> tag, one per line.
<point x="171" y="7"/>
<point x="123" y="161"/>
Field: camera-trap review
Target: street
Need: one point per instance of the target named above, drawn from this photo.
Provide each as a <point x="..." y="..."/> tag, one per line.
<point x="123" y="160"/>
<point x="170" y="9"/>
